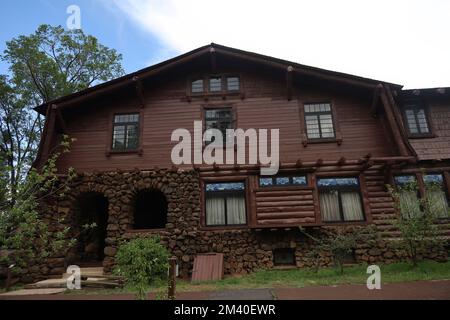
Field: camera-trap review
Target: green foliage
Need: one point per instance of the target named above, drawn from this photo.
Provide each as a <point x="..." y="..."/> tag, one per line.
<point x="416" y="218"/>
<point x="142" y="261"/>
<point x="22" y="229"/>
<point x="339" y="242"/>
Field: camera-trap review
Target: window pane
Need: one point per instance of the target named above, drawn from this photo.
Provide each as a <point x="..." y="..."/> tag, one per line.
<point x="337" y="182"/>
<point x="281" y="181"/>
<point x="326" y="125"/>
<point x="411" y="120"/>
<point x="264" y="182"/>
<point x="436" y="195"/>
<point x="232" y="83"/>
<point x="422" y="121"/>
<point x="132" y="137"/>
<point x="299" y="180"/>
<point x="409" y="204"/>
<point x="119" y="137"/>
<point x="215" y="84"/>
<point x="236" y="210"/>
<point x="329" y="205"/>
<point x="197" y="86"/>
<point x="225" y="186"/>
<point x="351" y="205"/>
<point x="215" y="211"/>
<point x="404" y="180"/>
<point x="312" y="127"/>
<point x="433" y="178"/>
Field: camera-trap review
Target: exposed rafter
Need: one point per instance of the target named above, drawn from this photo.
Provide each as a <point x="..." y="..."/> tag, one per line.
<point x="289" y="72"/>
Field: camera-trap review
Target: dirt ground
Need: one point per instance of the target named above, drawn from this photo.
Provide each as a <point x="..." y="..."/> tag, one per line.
<point x="419" y="290"/>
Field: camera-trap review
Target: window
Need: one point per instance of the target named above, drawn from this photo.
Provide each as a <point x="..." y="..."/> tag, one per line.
<point x="408" y="194"/>
<point x="284" y="257"/>
<point x="436" y="194"/>
<point x="416" y="118"/>
<point x="283" y="181"/>
<point x="319" y="121"/>
<point x="233" y="84"/>
<point x="225" y="204"/>
<point x="340" y="199"/>
<point x="126" y="132"/>
<point x="215" y="84"/>
<point x="150" y="210"/>
<point x="220" y="119"/>
<point x="197" y="86"/>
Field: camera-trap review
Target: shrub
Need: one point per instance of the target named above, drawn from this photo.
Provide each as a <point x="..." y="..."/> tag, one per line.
<point x="142" y="261"/>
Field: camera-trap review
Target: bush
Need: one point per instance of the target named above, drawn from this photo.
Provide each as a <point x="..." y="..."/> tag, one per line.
<point x="142" y="261"/>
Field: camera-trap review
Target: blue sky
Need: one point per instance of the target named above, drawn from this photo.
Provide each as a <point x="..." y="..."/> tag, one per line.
<point x="113" y="29"/>
<point x="401" y="41"/>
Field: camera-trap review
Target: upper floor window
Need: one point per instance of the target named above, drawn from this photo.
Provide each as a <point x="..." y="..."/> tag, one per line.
<point x="126" y="132"/>
<point x="225" y="204"/>
<point x="197" y="86"/>
<point x="319" y="121"/>
<point x="282" y="181"/>
<point x="220" y="119"/>
<point x="340" y="199"/>
<point x="416" y="119"/>
<point x="215" y="84"/>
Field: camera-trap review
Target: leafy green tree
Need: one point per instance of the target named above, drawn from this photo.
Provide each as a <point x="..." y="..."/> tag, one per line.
<point x="416" y="217"/>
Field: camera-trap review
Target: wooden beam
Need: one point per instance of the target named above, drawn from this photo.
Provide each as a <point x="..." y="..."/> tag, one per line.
<point x="341" y="161"/>
<point x="319" y="162"/>
<point x="375" y="100"/>
<point x="289" y="72"/>
<point x="299" y="163"/>
<point x="139" y="91"/>
<point x="212" y="52"/>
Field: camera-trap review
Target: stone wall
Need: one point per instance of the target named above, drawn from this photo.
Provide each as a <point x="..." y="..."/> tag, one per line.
<point x="244" y="250"/>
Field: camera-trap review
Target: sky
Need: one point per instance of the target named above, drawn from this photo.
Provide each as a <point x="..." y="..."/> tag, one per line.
<point x="399" y="41"/>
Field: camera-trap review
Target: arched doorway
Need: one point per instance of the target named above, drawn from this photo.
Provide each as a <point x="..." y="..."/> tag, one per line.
<point x="90" y="232"/>
<point x="150" y="210"/>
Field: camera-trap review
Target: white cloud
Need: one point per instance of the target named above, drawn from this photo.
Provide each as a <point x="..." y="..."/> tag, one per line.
<point x="404" y="41"/>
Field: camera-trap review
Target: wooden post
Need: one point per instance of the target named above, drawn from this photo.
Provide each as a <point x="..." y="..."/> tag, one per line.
<point x="172" y="278"/>
<point x="8" y="277"/>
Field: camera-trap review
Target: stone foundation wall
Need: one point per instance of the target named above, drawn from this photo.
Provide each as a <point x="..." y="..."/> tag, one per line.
<point x="244" y="250"/>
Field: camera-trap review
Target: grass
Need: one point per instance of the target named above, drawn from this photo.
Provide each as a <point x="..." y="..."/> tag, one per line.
<point x="298" y="278"/>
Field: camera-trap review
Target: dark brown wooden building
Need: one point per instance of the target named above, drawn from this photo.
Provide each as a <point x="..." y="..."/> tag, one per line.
<point x="342" y="139"/>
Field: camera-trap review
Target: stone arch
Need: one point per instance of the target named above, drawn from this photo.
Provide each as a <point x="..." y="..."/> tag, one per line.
<point x="149" y="209"/>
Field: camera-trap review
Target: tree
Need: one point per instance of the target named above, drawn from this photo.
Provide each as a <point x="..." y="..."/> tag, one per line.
<point x="48" y="64"/>
<point x="416" y="218"/>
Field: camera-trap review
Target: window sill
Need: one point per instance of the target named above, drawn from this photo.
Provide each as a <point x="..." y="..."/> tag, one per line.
<point x="133" y="151"/>
<point x="315" y="141"/>
<point x="422" y="136"/>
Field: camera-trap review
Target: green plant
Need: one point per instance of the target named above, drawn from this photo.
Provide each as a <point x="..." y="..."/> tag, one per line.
<point x="142" y="261"/>
<point x="339" y="242"/>
<point x="415" y="219"/>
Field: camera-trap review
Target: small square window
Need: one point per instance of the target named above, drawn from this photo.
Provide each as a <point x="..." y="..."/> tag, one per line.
<point x="215" y="84"/>
<point x="284" y="257"/>
<point x="233" y="84"/>
<point x="197" y="86"/>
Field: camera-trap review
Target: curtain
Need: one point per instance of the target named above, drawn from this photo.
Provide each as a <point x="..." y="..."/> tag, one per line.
<point x="351" y="205"/>
<point x="438" y="201"/>
<point x="215" y="211"/>
<point x="409" y="204"/>
<point x="329" y="206"/>
<point x="236" y="210"/>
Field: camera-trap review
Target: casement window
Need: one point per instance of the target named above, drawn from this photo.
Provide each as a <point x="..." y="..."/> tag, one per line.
<point x="282" y="181"/>
<point x="126" y="132"/>
<point x="319" y="121"/>
<point x="225" y="204"/>
<point x="233" y="83"/>
<point x="284" y="257"/>
<point x="407" y="189"/>
<point x="215" y="84"/>
<point x="220" y="119"/>
<point x="340" y="199"/>
<point x="416" y="119"/>
<point x="197" y="86"/>
<point x="436" y="194"/>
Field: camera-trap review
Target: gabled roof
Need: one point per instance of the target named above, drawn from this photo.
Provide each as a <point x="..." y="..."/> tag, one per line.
<point x="220" y="49"/>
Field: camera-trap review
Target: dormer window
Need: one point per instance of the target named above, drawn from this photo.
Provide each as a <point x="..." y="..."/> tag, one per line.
<point x="416" y="119"/>
<point x="215" y="84"/>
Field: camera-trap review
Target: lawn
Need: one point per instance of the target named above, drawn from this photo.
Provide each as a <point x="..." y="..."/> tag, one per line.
<point x="297" y="278"/>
